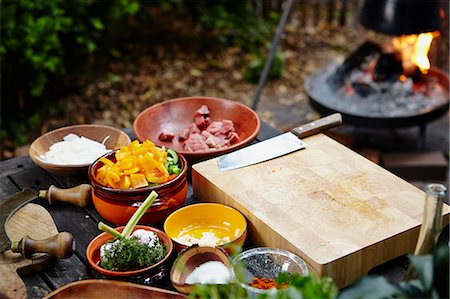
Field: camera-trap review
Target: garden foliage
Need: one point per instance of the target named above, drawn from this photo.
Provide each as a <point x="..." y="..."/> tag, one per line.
<point x="45" y="41"/>
<point x="47" y="45"/>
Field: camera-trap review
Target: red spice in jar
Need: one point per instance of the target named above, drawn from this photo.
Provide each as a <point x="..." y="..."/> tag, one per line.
<point x="264" y="283"/>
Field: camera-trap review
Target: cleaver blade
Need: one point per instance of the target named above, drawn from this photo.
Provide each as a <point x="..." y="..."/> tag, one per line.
<point x="277" y="146"/>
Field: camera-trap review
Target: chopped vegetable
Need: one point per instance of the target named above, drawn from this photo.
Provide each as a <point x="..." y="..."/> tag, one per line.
<point x="172" y="162"/>
<point x="74" y="150"/>
<point x="138" y="165"/>
<point x="266" y="283"/>
<point x="132" y="251"/>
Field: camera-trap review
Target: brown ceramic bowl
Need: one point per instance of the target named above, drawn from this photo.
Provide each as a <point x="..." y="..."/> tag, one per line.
<point x="102" y="288"/>
<point x="117" y="205"/>
<point x="189" y="259"/>
<point x="176" y="115"/>
<point x="93" y="254"/>
<point x="97" y="133"/>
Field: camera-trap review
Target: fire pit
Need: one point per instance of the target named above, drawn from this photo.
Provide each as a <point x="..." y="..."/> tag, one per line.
<point x="383" y="104"/>
<point x="385" y="86"/>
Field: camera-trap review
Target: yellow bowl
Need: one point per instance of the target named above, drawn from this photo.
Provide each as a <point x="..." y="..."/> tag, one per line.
<point x="192" y="222"/>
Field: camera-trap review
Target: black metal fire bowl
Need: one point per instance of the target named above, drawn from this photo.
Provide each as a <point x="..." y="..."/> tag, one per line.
<point x="381" y="106"/>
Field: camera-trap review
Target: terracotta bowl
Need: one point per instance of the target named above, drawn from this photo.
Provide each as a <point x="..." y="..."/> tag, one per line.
<point x="117" y="206"/>
<point x="189" y="259"/>
<point x="97" y="133"/>
<point x="102" y="288"/>
<point x="204" y="217"/>
<point x="93" y="255"/>
<point x="176" y="115"/>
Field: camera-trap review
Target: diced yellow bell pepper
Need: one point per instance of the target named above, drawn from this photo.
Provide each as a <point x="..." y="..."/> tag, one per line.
<point x="125" y="163"/>
<point x="131" y="170"/>
<point x="101" y="173"/>
<point x="120" y="155"/>
<point x="148" y="162"/>
<point x="107" y="161"/>
<point x="113" y="175"/>
<point x="125" y="182"/>
<point x="162" y="169"/>
<point x="137" y="165"/>
<point x="138" y="180"/>
<point x="147" y="143"/>
<point x="140" y="151"/>
<point x="156" y="177"/>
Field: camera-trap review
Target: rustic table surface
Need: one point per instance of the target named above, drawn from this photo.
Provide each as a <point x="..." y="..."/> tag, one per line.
<point x="19" y="173"/>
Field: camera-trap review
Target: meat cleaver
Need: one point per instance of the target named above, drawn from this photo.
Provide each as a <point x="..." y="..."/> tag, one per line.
<point x="277" y="146"/>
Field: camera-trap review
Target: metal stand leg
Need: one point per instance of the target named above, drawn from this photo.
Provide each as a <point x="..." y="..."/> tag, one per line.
<point x="275" y="41"/>
<point x="422" y="137"/>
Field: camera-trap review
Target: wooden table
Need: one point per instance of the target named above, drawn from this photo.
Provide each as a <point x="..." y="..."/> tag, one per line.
<point x="19" y="173"/>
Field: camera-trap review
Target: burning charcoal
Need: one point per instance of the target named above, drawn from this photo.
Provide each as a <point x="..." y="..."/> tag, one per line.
<point x="389" y="67"/>
<point x="354" y="60"/>
<point x="363" y="89"/>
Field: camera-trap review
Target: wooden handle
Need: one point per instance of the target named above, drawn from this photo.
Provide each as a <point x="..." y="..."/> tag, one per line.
<point x="79" y="195"/>
<point x="317" y="126"/>
<point x="61" y="245"/>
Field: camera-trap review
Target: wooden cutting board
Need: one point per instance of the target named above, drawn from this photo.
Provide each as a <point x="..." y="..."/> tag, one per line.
<point x="337" y="210"/>
<point x="36" y="222"/>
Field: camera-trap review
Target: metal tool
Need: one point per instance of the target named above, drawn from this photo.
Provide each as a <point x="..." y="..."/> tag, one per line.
<point x="277" y="146"/>
<point x="61" y="245"/>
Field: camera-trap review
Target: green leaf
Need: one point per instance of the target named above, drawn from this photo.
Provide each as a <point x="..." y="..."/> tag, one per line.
<point x="91" y="46"/>
<point x="34" y="120"/>
<point x="370" y="287"/>
<point x="441" y="264"/>
<point x="97" y="23"/>
<point x="411" y="289"/>
<point x="283" y="277"/>
<point x="292" y="293"/>
<point x="113" y="78"/>
<point x="133" y="8"/>
<point x="423" y="265"/>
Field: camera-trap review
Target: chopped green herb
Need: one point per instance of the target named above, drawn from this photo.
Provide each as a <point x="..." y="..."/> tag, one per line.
<point x="131" y="254"/>
<point x="128" y="253"/>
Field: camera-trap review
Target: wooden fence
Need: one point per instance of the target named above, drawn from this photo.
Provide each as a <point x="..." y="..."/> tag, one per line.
<point x="345" y="12"/>
<point x="313" y="12"/>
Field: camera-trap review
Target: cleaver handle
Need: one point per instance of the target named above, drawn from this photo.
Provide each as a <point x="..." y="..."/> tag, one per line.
<point x="317" y="126"/>
<point x="61" y="245"/>
<point x="79" y="195"/>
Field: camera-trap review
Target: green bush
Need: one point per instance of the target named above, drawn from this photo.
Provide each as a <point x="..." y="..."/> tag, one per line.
<point x="37" y="36"/>
<point x="47" y="46"/>
<point x="41" y="42"/>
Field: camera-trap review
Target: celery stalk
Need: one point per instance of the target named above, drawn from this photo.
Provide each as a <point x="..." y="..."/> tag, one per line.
<point x="138" y="214"/>
<point x="108" y="229"/>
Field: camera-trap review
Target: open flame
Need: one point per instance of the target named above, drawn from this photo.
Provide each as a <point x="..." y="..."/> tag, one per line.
<point x="414" y="50"/>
